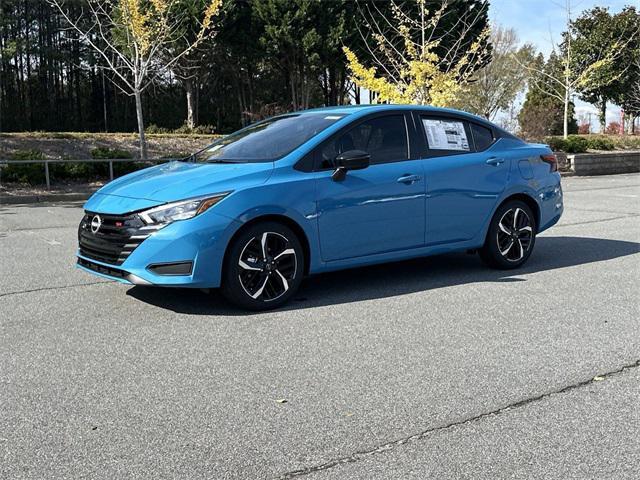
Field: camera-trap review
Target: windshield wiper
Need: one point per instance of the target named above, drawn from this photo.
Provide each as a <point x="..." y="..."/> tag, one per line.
<point x="224" y="160"/>
<point x="194" y="159"/>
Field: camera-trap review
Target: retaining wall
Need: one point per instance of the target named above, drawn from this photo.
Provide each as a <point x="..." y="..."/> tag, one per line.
<point x="605" y="163"/>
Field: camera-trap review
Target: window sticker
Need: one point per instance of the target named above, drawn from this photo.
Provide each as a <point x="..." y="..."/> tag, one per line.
<point x="445" y="134"/>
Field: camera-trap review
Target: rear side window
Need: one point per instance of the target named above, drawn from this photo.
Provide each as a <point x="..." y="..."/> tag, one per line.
<point x="446" y="135"/>
<point x="384" y="138"/>
<point x="482" y="137"/>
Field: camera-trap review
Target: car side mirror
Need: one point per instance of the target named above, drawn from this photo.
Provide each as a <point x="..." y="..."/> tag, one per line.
<point x="350" y="160"/>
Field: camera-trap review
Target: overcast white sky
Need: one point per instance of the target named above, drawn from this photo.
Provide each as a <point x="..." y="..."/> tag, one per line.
<point x="541" y="23"/>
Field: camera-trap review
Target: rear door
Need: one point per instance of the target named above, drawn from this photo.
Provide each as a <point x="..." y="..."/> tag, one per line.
<point x="380" y="208"/>
<point x="465" y="174"/>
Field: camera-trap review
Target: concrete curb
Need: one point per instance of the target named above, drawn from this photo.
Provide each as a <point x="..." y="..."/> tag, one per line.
<point x="52" y="197"/>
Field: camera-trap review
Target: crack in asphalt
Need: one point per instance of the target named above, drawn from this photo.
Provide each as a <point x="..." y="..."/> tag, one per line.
<point x="594" y="221"/>
<point x="385" y="447"/>
<point x="600" y="188"/>
<point x="59" y="287"/>
<point x="602" y="211"/>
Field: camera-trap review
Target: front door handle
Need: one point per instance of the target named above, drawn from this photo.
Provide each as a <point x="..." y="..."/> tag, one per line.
<point x="495" y="161"/>
<point x="409" y="179"/>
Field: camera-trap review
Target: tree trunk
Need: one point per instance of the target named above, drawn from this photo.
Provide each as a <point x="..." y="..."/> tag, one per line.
<point x="143" y="140"/>
<point x="191" y="116"/>
<point x="294" y="96"/>
<point x="1" y="76"/>
<point x="602" y="115"/>
<point x="324" y="85"/>
<point x="196" y="104"/>
<point x="1" y="88"/>
<point x="104" y="103"/>
<point x="565" y="125"/>
<point x="344" y="96"/>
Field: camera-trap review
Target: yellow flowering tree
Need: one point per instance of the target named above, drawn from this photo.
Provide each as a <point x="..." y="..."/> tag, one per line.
<point x="132" y="37"/>
<point x="416" y="60"/>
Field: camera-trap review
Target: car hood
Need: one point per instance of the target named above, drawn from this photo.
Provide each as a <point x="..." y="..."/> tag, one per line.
<point x="174" y="181"/>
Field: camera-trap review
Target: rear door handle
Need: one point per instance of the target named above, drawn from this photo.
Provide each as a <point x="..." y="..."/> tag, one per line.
<point x="409" y="178"/>
<point x="495" y="161"/>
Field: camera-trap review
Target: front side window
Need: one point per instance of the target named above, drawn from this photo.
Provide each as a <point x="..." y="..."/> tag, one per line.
<point x="384" y="138"/>
<point x="268" y="140"/>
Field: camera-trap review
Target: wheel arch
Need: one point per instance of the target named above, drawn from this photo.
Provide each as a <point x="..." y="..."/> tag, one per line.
<point x="529" y="201"/>
<point x="282" y="219"/>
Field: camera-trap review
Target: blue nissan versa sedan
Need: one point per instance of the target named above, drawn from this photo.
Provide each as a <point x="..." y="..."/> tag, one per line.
<point x="322" y="190"/>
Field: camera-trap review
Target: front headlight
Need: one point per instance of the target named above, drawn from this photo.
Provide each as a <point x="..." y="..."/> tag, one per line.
<point x="183" y="210"/>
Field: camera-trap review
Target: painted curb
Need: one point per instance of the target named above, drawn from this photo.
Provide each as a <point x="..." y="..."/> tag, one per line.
<point x="46" y="198"/>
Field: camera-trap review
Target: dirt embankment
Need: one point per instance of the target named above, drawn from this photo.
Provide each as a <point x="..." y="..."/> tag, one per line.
<point x="79" y="145"/>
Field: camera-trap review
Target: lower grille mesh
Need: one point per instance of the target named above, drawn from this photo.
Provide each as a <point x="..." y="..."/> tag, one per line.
<point x="112" y="272"/>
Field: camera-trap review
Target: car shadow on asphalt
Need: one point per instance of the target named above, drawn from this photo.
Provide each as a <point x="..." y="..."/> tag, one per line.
<point x="400" y="278"/>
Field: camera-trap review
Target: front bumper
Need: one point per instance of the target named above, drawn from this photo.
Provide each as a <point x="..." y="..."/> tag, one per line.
<point x="200" y="241"/>
<point x="113" y="273"/>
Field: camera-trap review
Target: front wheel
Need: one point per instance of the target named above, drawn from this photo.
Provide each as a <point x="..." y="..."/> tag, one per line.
<point x="263" y="267"/>
<point x="511" y="236"/>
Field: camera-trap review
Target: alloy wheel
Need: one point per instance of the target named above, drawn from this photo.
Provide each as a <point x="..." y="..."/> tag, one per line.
<point x="268" y="264"/>
<point x="515" y="234"/>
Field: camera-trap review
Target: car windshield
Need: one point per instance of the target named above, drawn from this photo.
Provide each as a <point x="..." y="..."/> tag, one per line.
<point x="267" y="140"/>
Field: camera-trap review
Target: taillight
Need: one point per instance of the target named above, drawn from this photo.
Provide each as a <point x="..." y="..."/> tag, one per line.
<point x="552" y="160"/>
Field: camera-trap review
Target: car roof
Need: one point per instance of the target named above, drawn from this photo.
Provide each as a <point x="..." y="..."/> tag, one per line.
<point x="371" y="108"/>
<point x="348" y="109"/>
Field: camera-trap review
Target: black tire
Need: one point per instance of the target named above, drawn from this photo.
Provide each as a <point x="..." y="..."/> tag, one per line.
<point x="255" y="282"/>
<point x="511" y="236"/>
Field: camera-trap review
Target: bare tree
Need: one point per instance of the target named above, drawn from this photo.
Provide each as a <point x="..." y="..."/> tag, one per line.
<point x="563" y="83"/>
<point x="189" y="67"/>
<point x="494" y="87"/>
<point x="132" y="36"/>
<point x="631" y="98"/>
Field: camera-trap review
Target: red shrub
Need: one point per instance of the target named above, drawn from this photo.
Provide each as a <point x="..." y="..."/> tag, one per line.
<point x="613" y="128"/>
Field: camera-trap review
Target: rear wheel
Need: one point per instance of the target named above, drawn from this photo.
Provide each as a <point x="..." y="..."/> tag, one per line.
<point x="511" y="236"/>
<point x="263" y="267"/>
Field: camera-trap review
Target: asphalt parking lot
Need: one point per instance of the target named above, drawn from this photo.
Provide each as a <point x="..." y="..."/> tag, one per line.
<point x="432" y="368"/>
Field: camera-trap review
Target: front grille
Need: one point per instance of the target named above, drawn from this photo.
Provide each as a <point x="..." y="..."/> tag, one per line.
<point x="115" y="237"/>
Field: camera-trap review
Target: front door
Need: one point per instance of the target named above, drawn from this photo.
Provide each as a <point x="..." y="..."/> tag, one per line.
<point x="380" y="208"/>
